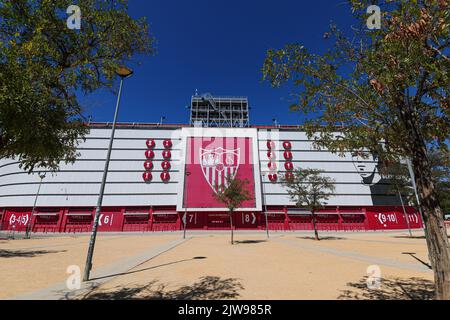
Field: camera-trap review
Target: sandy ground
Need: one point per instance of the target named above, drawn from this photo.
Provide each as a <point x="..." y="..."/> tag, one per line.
<point x="207" y="266"/>
<point x="28" y="265"/>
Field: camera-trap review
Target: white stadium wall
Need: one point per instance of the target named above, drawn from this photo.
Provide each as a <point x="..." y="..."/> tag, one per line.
<point x="77" y="185"/>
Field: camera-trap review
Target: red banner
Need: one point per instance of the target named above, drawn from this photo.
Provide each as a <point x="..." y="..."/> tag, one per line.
<point x="391" y="219"/>
<point x="208" y="163"/>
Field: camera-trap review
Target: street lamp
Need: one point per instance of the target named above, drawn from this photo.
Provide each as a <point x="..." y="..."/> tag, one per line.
<point x="123" y="72"/>
<point x="185" y="211"/>
<point x="27" y="233"/>
<point x="264" y="204"/>
<point x="404" y="211"/>
<point x="413" y="182"/>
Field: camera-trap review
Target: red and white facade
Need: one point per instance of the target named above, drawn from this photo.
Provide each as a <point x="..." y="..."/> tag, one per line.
<point x="157" y="173"/>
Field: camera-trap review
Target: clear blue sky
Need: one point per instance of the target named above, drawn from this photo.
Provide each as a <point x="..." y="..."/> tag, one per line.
<point x="216" y="46"/>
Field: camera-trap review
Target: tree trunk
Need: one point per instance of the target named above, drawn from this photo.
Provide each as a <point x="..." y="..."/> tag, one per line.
<point x="231" y="226"/>
<point x="316" y="234"/>
<point x="435" y="230"/>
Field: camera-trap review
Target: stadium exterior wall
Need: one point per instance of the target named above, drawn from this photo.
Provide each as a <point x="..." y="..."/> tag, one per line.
<point x="186" y="164"/>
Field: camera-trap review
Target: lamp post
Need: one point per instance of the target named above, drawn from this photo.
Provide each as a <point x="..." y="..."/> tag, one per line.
<point x="185" y="210"/>
<point x="404" y="211"/>
<point x="413" y="182"/>
<point x="122" y="72"/>
<point x="27" y="233"/>
<point x="264" y="205"/>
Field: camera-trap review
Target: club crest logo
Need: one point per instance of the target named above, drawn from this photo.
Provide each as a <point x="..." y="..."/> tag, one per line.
<point x="217" y="164"/>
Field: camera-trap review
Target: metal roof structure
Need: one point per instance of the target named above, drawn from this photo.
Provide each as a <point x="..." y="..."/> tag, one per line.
<point x="219" y="111"/>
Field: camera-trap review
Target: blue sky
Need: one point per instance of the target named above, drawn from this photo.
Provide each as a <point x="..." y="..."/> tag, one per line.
<point x="216" y="46"/>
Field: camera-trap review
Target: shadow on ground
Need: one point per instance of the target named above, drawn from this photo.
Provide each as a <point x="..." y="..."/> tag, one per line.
<point x="145" y="269"/>
<point x="249" y="241"/>
<point x="322" y="238"/>
<point x="208" y="287"/>
<point x="413" y="255"/>
<point x="413" y="237"/>
<point x="25" y="253"/>
<point x="391" y="289"/>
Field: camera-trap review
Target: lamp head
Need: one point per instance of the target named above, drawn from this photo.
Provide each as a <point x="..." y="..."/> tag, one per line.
<point x="124" y="72"/>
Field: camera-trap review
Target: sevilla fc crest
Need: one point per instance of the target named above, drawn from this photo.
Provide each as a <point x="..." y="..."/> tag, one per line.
<point x="217" y="164"/>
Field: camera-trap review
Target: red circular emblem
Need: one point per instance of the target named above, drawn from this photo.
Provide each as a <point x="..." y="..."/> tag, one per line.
<point x="167" y="143"/>
<point x="270" y="145"/>
<point x="287" y="155"/>
<point x="273" y="177"/>
<point x="271" y="155"/>
<point x="147" y="176"/>
<point x="149" y="154"/>
<point x="288" y="166"/>
<point x="148" y="165"/>
<point x="287" y="145"/>
<point x="166" y="154"/>
<point x="289" y="176"/>
<point x="272" y="165"/>
<point x="165" y="176"/>
<point x="165" y="165"/>
<point x="150" y="143"/>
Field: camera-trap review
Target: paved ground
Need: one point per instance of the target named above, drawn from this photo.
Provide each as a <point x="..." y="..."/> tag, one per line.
<point x="206" y="266"/>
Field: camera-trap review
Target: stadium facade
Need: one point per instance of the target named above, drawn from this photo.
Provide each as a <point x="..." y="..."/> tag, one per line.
<point x="159" y="172"/>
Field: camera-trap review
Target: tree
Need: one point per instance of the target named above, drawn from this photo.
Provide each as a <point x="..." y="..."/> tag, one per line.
<point x="44" y="65"/>
<point x="232" y="194"/>
<point x="440" y="163"/>
<point x="397" y="175"/>
<point x="399" y="179"/>
<point x="384" y="90"/>
<point x="309" y="189"/>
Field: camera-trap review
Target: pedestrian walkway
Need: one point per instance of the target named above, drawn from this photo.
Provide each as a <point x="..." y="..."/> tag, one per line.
<point x="414" y="266"/>
<point x="60" y="291"/>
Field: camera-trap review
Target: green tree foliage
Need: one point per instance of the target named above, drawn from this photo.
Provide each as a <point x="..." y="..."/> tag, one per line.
<point x="44" y="64"/>
<point x="399" y="179"/>
<point x="386" y="90"/>
<point x="232" y="195"/>
<point x="441" y="175"/>
<point x="309" y="189"/>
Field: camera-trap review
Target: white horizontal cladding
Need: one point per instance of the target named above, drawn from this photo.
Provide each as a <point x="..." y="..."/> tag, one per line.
<point x="88" y="200"/>
<point x="10" y="167"/>
<point x="341" y="200"/>
<point x="355" y="188"/>
<point x="7" y="162"/>
<point x="136" y="133"/>
<point x="125" y="143"/>
<point x="312" y="156"/>
<point x="63" y="177"/>
<point x="281" y="135"/>
<point x="326" y="166"/>
<point x="297" y="145"/>
<point x="114" y="165"/>
<point x="94" y="165"/>
<point x="85" y="188"/>
<point x="338" y="177"/>
<point x="122" y="154"/>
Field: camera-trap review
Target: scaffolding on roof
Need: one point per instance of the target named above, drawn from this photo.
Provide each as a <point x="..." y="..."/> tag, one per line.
<point x="209" y="111"/>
